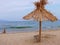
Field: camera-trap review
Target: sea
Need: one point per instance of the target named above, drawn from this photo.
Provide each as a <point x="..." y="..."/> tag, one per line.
<point x="46" y="25"/>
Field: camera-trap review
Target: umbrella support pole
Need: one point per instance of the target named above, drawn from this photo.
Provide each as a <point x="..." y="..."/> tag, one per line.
<point x="40" y="24"/>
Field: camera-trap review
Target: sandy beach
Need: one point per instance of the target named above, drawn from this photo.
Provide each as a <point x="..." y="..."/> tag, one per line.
<point x="27" y="38"/>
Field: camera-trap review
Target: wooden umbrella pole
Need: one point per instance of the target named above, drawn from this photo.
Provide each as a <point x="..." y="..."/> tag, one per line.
<point x="40" y="28"/>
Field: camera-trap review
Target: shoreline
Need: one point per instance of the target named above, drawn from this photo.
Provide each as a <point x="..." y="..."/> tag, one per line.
<point x="27" y="31"/>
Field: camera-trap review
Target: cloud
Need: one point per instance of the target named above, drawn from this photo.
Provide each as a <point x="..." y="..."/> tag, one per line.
<point x="54" y="2"/>
<point x="9" y="8"/>
<point x="13" y="5"/>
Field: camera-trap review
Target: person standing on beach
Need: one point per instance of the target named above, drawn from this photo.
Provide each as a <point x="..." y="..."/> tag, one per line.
<point x="4" y="31"/>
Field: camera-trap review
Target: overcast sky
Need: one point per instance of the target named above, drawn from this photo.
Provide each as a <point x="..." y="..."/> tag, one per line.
<point x="14" y="10"/>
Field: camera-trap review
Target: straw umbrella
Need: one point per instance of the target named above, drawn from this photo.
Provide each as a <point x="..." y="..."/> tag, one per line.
<point x="40" y="14"/>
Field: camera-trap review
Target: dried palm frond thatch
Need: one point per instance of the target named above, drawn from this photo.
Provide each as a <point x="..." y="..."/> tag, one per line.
<point x="40" y="14"/>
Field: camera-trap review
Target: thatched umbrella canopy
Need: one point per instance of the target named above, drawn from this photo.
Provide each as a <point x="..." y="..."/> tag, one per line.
<point x="40" y="14"/>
